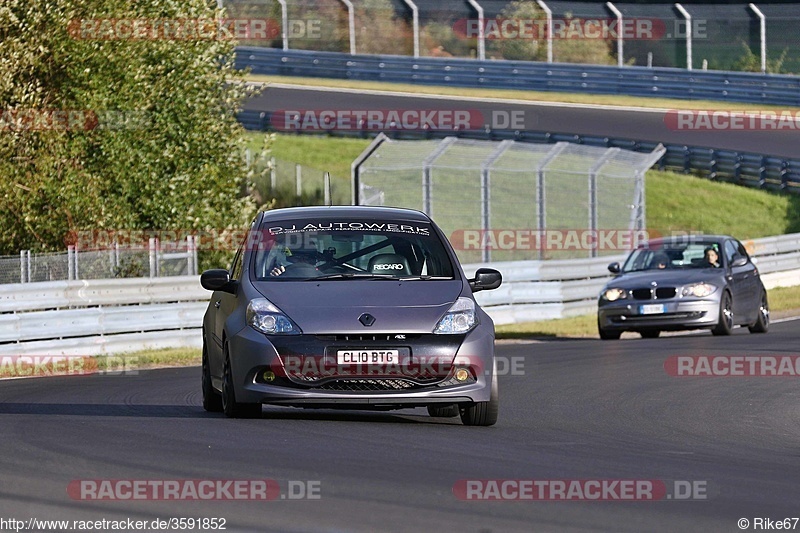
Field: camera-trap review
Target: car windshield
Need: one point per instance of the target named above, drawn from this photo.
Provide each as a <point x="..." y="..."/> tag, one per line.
<point x="350" y="249"/>
<point x="674" y="256"/>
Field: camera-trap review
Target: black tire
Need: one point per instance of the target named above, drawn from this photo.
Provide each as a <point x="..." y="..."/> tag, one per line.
<point x="650" y="333"/>
<point x="482" y="413"/>
<point x="230" y="406"/>
<point x="762" y="324"/>
<point x="725" y="323"/>
<point x="212" y="400"/>
<point x="443" y="410"/>
<point x="608" y="334"/>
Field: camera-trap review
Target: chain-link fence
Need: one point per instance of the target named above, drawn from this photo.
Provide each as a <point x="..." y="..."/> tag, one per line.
<point x="511" y="201"/>
<point x="724" y="36"/>
<point x="154" y="259"/>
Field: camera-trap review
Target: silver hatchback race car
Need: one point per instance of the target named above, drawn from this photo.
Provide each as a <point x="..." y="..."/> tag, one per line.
<point x="348" y="307"/>
<point x="686" y="282"/>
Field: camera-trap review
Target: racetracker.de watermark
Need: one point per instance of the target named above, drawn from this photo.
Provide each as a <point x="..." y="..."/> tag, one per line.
<point x="23" y="366"/>
<point x="732" y="120"/>
<point x="31" y="119"/>
<point x="377" y="119"/>
<point x="579" y="490"/>
<point x="193" y="489"/>
<point x="555" y="239"/>
<point x="533" y="29"/>
<point x="191" y="29"/>
<point x="732" y="366"/>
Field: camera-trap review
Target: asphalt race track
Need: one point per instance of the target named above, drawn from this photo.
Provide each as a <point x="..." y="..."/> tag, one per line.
<point x="636" y="123"/>
<point x="578" y="409"/>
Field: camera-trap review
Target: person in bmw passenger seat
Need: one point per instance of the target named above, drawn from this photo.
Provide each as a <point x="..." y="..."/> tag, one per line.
<point x="711" y="258"/>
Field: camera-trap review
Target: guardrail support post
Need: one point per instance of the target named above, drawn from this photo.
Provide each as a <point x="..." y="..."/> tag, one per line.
<point x="762" y="30"/>
<point x="481" y="29"/>
<point x="688" y="18"/>
<point x="549" y="22"/>
<point x="618" y="14"/>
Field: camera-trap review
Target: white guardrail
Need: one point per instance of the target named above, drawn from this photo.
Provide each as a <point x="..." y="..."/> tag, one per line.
<point x="107" y="316"/>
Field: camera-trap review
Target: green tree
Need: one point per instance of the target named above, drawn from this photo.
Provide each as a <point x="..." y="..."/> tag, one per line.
<point x="157" y="146"/>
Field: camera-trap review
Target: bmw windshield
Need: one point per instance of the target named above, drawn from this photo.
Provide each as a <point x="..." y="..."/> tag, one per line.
<point x="350" y="249"/>
<point x="668" y="256"/>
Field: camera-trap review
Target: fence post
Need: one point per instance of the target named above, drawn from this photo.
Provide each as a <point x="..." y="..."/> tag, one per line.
<point x="541" y="197"/>
<point x="298" y="180"/>
<point x="284" y="24"/>
<point x="75" y="255"/>
<point x="70" y="263"/>
<point x="593" y="215"/>
<point x="548" y="13"/>
<point x="326" y="186"/>
<point x="618" y="14"/>
<point x="151" y="248"/>
<point x="688" y="18"/>
<point x="415" y="24"/>
<point x="481" y="30"/>
<point x="762" y="30"/>
<point x="273" y="174"/>
<point x="351" y="25"/>
<point x="22" y="269"/>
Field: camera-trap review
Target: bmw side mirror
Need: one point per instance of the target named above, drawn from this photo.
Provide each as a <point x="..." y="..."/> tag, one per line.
<point x="738" y="260"/>
<point x="486" y="279"/>
<point x="217" y="279"/>
<point x="614" y="268"/>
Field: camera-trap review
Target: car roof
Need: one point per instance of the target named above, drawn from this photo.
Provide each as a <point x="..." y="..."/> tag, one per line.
<point x="355" y="211"/>
<point x="686" y="239"/>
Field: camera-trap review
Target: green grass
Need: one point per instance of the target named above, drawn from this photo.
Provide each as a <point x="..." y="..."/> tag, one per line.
<point x="786" y="299"/>
<point x="679" y="202"/>
<point x="328" y="154"/>
<point x="508" y="94"/>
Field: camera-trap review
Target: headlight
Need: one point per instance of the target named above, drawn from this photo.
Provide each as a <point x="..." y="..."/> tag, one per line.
<point x="263" y="316"/>
<point x="701" y="290"/>
<point x="613" y="295"/>
<point x="460" y="318"/>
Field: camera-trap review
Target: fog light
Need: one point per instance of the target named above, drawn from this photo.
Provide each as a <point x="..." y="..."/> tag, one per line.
<point x="268" y="376"/>
<point x="462" y="374"/>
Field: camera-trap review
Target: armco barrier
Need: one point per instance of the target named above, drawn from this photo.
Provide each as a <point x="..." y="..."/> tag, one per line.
<point x="750" y="169"/>
<point x="775" y="89"/>
<point x="110" y="316"/>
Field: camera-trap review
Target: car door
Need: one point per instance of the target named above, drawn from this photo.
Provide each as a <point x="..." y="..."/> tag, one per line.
<point x="737" y="281"/>
<point x="223" y="304"/>
<point x="753" y="287"/>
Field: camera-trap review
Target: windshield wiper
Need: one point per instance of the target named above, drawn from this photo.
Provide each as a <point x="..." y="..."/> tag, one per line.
<point x="423" y="278"/>
<point x="353" y="275"/>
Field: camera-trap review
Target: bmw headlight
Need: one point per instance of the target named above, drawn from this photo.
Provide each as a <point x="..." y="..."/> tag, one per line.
<point x="263" y="316"/>
<point x="701" y="290"/>
<point x="614" y="294"/>
<point x="460" y="318"/>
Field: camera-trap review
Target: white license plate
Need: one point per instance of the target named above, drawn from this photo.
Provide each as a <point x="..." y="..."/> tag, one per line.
<point x="368" y="357"/>
<point x="652" y="309"/>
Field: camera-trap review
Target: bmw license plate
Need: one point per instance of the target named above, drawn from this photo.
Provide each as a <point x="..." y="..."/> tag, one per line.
<point x="651" y="309"/>
<point x="368" y="357"/>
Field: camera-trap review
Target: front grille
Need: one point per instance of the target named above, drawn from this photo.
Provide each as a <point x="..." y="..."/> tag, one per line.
<point x="361" y="337"/>
<point x="642" y="294"/>
<point x="661" y="293"/>
<point x="367" y="385"/>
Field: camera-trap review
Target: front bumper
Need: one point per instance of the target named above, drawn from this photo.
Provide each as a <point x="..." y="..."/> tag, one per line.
<point x="252" y="354"/>
<point x="678" y="314"/>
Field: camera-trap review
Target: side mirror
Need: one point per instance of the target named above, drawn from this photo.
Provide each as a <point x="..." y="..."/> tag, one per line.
<point x="738" y="260"/>
<point x="217" y="279"/>
<point x="486" y="279"/>
<point x="614" y="268"/>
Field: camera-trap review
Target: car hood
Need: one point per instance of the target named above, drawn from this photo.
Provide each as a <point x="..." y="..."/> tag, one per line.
<point x="667" y="278"/>
<point x="334" y="306"/>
